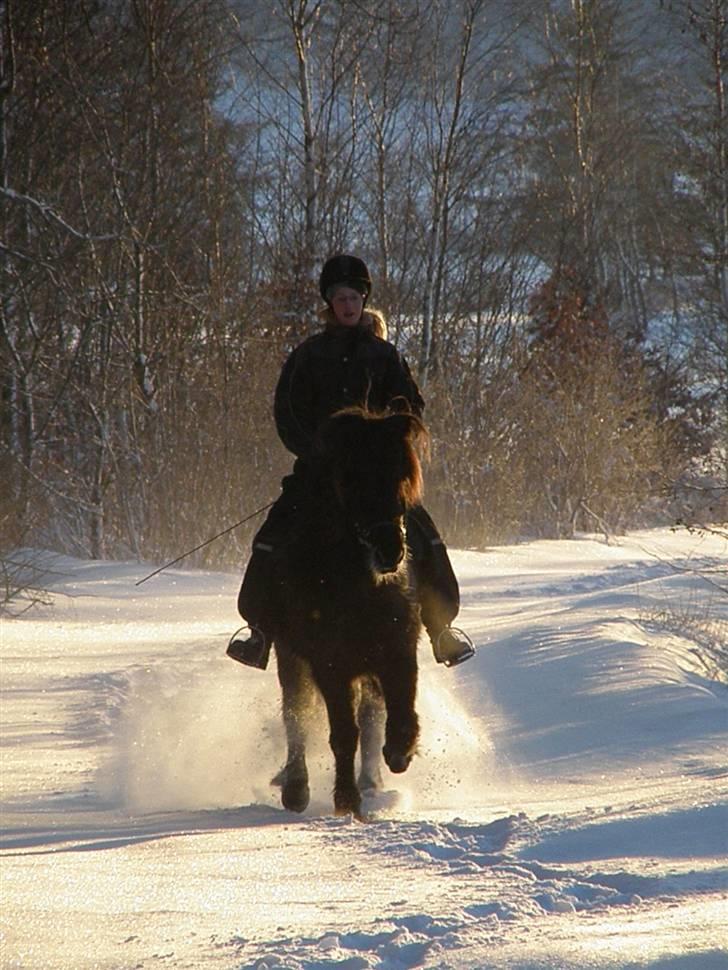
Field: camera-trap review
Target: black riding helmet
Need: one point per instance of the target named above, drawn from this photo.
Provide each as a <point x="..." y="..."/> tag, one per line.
<point x="345" y="270"/>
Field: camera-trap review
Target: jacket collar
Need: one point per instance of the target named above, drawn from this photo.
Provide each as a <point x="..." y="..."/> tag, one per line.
<point x="348" y="333"/>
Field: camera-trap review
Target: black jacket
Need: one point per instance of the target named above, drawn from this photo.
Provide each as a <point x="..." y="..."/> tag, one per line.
<point x="337" y="368"/>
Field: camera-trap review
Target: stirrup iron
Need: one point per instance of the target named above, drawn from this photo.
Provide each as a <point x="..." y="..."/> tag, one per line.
<point x="252" y="651"/>
<point x="459" y="649"/>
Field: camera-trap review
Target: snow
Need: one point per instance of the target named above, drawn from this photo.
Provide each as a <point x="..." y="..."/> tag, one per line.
<point x="567" y="809"/>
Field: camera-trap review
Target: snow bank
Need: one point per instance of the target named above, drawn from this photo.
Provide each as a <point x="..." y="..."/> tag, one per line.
<point x="567" y="808"/>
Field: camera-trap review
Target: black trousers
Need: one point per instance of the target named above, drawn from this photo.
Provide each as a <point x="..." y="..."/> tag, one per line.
<point x="437" y="588"/>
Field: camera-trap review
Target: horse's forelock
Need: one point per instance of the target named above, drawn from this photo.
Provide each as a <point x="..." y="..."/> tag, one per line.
<point x="347" y="428"/>
<point x="414" y="438"/>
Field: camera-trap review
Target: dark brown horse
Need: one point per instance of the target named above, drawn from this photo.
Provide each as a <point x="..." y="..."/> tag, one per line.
<point x="351" y="624"/>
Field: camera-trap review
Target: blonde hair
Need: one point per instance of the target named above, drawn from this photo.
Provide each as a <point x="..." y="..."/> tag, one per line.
<point x="371" y="319"/>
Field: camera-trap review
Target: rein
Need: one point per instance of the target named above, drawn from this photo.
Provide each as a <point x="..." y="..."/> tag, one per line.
<point x="207" y="542"/>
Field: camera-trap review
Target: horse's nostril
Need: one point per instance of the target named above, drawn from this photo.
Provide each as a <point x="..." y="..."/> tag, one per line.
<point x="386" y="545"/>
<point x="387" y="560"/>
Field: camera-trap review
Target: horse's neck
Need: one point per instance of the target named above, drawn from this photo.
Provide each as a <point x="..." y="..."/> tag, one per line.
<point x="322" y="519"/>
<point x="324" y="529"/>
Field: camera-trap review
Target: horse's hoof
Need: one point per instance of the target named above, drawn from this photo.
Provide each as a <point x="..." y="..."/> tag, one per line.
<point x="348" y="804"/>
<point x="370" y="783"/>
<point x="396" y="761"/>
<point x="295" y="796"/>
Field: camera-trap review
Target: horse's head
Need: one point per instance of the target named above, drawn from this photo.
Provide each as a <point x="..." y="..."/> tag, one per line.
<point x="375" y="471"/>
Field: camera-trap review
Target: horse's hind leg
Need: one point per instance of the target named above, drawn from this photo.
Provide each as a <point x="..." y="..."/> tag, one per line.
<point x="371" y="728"/>
<point x="297" y="692"/>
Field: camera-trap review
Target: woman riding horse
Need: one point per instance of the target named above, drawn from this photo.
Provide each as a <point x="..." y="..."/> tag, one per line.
<point x="349" y="363"/>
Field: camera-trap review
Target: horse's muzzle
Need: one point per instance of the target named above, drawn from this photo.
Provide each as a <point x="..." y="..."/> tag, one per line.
<point x="386" y="544"/>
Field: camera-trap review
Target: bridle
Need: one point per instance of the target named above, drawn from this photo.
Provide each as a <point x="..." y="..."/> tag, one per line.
<point x="365" y="534"/>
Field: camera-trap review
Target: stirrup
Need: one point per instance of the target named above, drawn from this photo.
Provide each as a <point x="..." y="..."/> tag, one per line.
<point x="253" y="651"/>
<point x="459" y="648"/>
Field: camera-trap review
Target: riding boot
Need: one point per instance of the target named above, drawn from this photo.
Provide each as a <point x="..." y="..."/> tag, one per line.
<point x="437" y="589"/>
<point x="255" y="605"/>
<point x="259" y="600"/>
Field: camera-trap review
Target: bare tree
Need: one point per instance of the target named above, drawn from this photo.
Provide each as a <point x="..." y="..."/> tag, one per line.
<point x="112" y="269"/>
<point x="701" y="203"/>
<point x="171" y="176"/>
<point x="589" y="431"/>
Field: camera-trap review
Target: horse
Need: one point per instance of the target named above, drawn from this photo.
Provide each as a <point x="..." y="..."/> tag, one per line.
<point x="350" y="627"/>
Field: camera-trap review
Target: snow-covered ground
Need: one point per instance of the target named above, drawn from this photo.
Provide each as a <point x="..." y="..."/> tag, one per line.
<point x="568" y="807"/>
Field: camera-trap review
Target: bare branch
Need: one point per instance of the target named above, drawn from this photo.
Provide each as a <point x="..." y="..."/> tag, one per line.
<point x="48" y="212"/>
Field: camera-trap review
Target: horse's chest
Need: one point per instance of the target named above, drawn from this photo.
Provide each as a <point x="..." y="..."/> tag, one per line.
<point x="331" y="604"/>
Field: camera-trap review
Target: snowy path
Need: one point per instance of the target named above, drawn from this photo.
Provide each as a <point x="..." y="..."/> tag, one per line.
<point x="569" y="807"/>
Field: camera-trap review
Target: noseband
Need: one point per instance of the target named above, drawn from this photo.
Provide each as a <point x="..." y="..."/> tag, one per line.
<point x="364" y="533"/>
<point x="367" y="536"/>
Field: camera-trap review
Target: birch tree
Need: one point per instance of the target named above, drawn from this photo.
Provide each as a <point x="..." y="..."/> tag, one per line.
<point x="700" y="193"/>
<point x="107" y="280"/>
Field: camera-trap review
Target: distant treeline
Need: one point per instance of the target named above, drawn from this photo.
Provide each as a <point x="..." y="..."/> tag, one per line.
<point x="539" y="188"/>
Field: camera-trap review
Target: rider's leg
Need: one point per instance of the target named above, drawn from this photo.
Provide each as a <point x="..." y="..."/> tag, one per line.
<point x="437" y="589"/>
<point x="254" y="599"/>
<point x="259" y="600"/>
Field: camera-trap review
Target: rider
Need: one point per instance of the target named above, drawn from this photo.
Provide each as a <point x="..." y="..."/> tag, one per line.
<point x="349" y="362"/>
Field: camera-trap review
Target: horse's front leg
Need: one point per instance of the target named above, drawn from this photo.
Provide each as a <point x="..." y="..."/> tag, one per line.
<point x="398" y="678"/>
<point x="294" y="676"/>
<point x="371" y="728"/>
<point x="344" y="738"/>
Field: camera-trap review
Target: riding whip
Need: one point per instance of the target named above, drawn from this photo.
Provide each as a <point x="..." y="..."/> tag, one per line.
<point x="203" y="544"/>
